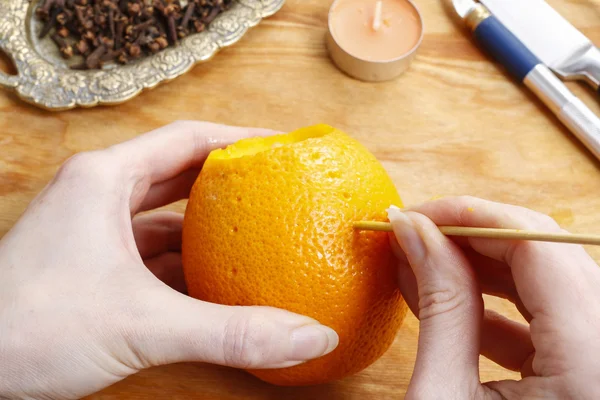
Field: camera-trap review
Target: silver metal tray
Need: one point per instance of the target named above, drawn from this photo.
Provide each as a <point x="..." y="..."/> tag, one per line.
<point x="45" y="80"/>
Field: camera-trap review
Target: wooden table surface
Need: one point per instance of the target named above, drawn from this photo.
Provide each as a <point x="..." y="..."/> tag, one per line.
<point x="454" y="124"/>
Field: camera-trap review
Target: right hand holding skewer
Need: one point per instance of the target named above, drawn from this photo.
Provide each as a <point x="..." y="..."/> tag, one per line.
<point x="554" y="286"/>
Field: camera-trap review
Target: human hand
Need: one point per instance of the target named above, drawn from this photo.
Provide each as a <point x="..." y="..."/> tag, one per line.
<point x="81" y="305"/>
<point x="554" y="286"/>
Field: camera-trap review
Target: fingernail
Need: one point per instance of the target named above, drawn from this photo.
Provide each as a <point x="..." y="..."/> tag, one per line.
<point x="312" y="341"/>
<point x="407" y="235"/>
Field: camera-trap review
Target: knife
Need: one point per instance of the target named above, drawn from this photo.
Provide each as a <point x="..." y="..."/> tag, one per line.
<point x="525" y="67"/>
<point x="550" y="37"/>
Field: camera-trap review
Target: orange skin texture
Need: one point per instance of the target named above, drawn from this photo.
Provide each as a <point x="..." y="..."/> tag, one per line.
<point x="274" y="228"/>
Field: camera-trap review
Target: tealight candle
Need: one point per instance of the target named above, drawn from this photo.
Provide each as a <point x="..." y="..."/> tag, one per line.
<point x="374" y="40"/>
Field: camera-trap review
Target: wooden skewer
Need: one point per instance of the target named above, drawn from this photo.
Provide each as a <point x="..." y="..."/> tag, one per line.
<point x="493" y="233"/>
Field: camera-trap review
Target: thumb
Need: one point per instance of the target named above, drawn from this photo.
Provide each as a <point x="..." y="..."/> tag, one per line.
<point x="179" y="328"/>
<point x="450" y="309"/>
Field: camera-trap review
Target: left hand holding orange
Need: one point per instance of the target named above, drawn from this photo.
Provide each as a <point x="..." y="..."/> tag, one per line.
<point x="79" y="307"/>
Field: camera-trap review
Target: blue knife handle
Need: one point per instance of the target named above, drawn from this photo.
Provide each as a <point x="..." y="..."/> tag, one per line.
<point x="505" y="47"/>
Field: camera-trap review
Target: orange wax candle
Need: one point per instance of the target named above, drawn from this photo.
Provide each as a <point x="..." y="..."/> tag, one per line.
<point x="374" y="31"/>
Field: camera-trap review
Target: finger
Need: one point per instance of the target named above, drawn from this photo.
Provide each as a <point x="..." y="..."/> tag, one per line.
<point x="169" y="151"/>
<point x="169" y="269"/>
<point x="494" y="278"/>
<point x="157" y="233"/>
<point x="406" y="277"/>
<point x="528" y="388"/>
<point x="527" y="368"/>
<point x="523" y="310"/>
<point x="548" y="277"/>
<point x="181" y="329"/>
<point x="167" y="192"/>
<point x="450" y="305"/>
<point x="505" y="342"/>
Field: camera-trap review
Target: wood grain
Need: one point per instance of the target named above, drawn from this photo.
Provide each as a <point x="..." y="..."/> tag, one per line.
<point x="454" y="124"/>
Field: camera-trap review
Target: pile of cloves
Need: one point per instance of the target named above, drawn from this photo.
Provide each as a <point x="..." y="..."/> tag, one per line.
<point x="108" y="31"/>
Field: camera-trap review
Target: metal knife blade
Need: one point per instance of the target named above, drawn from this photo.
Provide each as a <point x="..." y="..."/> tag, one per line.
<point x="548" y="35"/>
<point x="525" y="67"/>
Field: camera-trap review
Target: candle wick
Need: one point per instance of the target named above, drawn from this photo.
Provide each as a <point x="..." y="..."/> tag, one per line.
<point x="378" y="15"/>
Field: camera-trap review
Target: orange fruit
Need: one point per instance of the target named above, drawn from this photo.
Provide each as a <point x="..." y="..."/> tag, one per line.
<point x="269" y="222"/>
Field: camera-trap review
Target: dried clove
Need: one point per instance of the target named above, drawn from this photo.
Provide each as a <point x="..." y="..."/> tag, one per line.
<point x="162" y="42"/>
<point x="63" y="32"/>
<point x="64" y="16"/>
<point x="123" y="59"/>
<point x="44" y="8"/>
<point x="147" y="12"/>
<point x="110" y="56"/>
<point x="111" y="22"/>
<point x="119" y="34"/>
<point x="188" y="15"/>
<point x="49" y="23"/>
<point x="134" y="9"/>
<point x="89" y="36"/>
<point x="82" y="47"/>
<point x="109" y="31"/>
<point x="135" y="50"/>
<point x="123" y="5"/>
<point x="199" y="26"/>
<point x="172" y="29"/>
<point x="154" y="47"/>
<point x="65" y="49"/>
<point x="211" y="16"/>
<point x="93" y="60"/>
<point x="144" y="25"/>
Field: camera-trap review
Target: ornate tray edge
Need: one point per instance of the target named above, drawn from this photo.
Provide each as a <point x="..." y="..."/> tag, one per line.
<point x="56" y="88"/>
